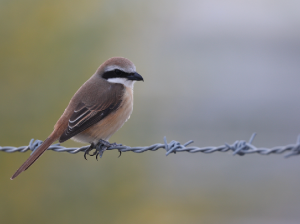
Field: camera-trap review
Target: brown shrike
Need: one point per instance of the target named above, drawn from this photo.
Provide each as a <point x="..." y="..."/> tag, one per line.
<point x="97" y="110"/>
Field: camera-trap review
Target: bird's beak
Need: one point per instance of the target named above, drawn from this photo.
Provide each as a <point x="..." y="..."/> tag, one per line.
<point x="135" y="76"/>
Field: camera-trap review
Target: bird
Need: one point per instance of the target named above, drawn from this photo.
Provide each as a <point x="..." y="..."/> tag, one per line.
<point x="97" y="110"/>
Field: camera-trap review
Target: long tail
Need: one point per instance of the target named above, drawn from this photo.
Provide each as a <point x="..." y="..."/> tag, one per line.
<point x="37" y="153"/>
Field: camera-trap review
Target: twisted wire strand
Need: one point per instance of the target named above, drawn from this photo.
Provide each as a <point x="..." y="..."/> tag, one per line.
<point x="239" y="147"/>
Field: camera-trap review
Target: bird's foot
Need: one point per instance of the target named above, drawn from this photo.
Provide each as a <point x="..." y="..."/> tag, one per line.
<point x="100" y="147"/>
<point x="115" y="144"/>
<point x="86" y="152"/>
<point x="103" y="145"/>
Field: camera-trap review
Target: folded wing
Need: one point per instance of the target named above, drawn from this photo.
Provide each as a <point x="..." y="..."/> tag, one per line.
<point x="87" y="114"/>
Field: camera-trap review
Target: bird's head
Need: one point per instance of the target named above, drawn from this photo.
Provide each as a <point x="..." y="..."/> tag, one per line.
<point x="119" y="70"/>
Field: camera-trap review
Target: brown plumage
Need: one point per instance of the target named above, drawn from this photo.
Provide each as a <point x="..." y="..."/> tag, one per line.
<point x="97" y="110"/>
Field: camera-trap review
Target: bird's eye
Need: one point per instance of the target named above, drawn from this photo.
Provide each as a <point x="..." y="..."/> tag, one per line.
<point x="118" y="72"/>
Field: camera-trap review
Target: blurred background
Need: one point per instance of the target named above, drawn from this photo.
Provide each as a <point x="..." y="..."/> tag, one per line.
<point x="215" y="71"/>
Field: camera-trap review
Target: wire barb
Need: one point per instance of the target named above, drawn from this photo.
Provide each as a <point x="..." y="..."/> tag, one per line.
<point x="238" y="148"/>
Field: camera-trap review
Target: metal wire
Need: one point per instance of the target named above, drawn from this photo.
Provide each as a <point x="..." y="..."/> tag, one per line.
<point x="238" y="148"/>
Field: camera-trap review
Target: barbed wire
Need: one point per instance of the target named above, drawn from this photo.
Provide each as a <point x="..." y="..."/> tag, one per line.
<point x="240" y="148"/>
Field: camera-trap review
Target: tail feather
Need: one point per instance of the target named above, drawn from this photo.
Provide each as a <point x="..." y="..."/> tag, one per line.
<point x="35" y="155"/>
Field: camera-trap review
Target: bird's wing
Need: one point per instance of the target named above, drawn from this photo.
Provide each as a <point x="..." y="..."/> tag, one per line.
<point x="87" y="114"/>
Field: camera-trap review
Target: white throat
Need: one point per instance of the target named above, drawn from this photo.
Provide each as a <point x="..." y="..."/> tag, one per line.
<point x="124" y="81"/>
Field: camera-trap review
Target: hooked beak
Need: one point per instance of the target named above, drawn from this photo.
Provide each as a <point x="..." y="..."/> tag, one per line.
<point x="135" y="76"/>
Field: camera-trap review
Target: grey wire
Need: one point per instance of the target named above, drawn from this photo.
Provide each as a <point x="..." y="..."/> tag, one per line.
<point x="238" y="148"/>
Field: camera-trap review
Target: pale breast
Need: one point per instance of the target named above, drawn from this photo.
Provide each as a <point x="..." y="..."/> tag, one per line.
<point x="105" y="128"/>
